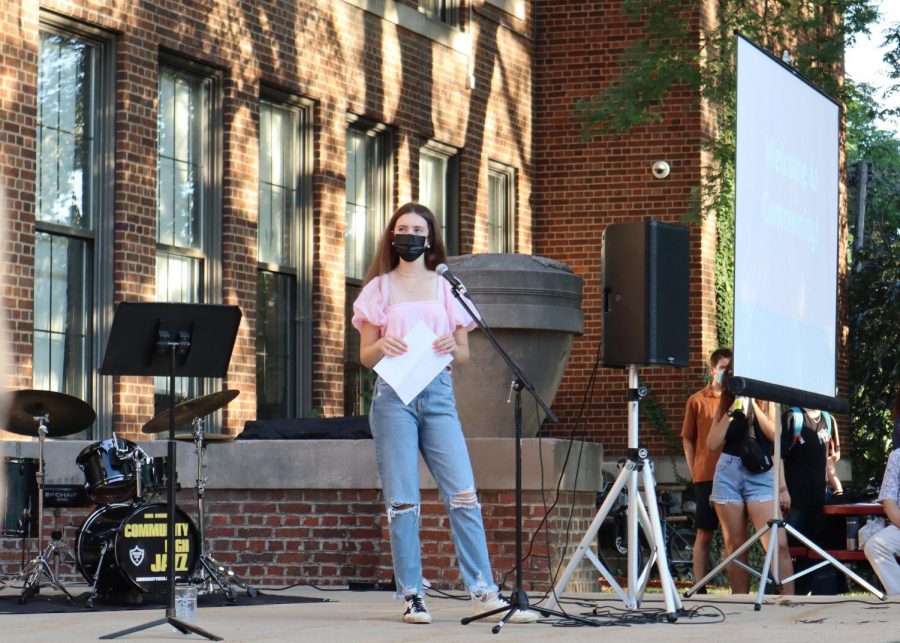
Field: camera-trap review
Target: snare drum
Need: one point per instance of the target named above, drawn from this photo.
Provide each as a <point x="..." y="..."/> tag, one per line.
<point x="18" y="497"/>
<point x="109" y="470"/>
<point x="136" y="553"/>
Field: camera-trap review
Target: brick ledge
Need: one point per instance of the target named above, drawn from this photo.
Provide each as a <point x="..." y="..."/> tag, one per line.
<point x="337" y="464"/>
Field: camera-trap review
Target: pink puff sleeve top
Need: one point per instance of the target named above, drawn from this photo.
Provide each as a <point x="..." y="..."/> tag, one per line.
<point x="442" y="315"/>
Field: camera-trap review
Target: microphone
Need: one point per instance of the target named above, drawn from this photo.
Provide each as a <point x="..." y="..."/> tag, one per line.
<point x="444" y="271"/>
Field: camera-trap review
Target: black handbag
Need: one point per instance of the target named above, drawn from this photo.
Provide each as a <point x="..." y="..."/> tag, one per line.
<point x="753" y="456"/>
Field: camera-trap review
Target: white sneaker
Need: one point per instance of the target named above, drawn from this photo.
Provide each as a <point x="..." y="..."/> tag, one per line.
<point x="416" y="612"/>
<point x="498" y="602"/>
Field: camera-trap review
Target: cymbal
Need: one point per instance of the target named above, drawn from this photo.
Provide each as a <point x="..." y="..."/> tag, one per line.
<point x="67" y="414"/>
<point x="208" y="438"/>
<point x="188" y="411"/>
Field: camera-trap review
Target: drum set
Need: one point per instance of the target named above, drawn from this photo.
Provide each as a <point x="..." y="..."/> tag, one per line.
<point x="121" y="548"/>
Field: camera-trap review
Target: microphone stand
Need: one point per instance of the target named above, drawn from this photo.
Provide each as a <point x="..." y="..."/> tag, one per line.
<point x="518" y="600"/>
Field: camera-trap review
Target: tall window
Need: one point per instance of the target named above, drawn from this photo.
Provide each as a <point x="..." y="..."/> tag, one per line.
<point x="281" y="161"/>
<point x="438" y="187"/>
<point x="71" y="163"/>
<point x="447" y="11"/>
<point x="501" y="201"/>
<point x="367" y="194"/>
<point x="185" y="164"/>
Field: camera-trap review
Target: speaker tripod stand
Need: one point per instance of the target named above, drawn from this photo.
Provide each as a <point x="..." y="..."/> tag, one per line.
<point x="641" y="512"/>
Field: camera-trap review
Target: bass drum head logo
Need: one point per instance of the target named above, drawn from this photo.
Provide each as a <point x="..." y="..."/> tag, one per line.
<point x="137" y="555"/>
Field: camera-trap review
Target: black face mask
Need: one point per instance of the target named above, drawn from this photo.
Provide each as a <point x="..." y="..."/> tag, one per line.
<point x="409" y="246"/>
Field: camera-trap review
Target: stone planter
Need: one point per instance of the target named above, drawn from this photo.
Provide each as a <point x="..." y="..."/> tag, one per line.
<point x="533" y="306"/>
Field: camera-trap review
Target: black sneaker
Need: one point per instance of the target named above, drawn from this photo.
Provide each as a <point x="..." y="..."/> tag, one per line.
<point x="416" y="612"/>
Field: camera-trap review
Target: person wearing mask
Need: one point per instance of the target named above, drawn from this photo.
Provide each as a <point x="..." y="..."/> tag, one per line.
<point x="401" y="290"/>
<point x="699" y="416"/>
<point x="805" y="454"/>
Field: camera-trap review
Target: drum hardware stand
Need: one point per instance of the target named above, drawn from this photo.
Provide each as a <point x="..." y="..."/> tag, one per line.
<point x="62" y="553"/>
<point x="192" y="340"/>
<point x="138" y="481"/>
<point x="210" y="569"/>
<point x="40" y="566"/>
<point x="101" y="565"/>
<point x="27" y="408"/>
<point x="640" y="511"/>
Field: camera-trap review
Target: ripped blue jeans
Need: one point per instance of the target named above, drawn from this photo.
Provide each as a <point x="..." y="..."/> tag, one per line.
<point x="429" y="424"/>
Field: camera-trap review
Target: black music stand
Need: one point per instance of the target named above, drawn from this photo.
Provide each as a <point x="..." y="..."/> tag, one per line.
<point x="177" y="340"/>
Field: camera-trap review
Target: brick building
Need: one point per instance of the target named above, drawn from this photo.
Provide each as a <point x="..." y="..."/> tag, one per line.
<point x="200" y="135"/>
<point x="583" y="186"/>
<point x="249" y="153"/>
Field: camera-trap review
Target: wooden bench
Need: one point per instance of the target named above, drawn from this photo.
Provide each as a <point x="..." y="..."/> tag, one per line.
<point x="839" y="554"/>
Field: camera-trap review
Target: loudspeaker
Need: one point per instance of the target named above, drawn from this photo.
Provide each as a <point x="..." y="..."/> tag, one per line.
<point x="645" y="294"/>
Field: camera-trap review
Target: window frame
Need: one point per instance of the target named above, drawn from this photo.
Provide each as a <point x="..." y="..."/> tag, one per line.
<point x="302" y="244"/>
<point x="451" y="195"/>
<point x="211" y="172"/>
<point x="447" y="12"/>
<point x="508" y="174"/>
<point x="383" y="173"/>
<point x="101" y="236"/>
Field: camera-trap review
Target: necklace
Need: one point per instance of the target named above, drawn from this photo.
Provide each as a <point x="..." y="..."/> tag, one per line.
<point x="415" y="280"/>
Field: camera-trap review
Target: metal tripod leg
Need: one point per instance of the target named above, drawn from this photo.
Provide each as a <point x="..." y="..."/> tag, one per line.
<point x="584" y="547"/>
<point x="831" y="559"/>
<point x="649" y="521"/>
<point x="672" y="600"/>
<point x="100" y="567"/>
<point x="733" y="558"/>
<point x="214" y="571"/>
<point x="41" y="567"/>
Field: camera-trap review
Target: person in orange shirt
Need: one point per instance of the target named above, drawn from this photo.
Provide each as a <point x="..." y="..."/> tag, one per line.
<point x="699" y="416"/>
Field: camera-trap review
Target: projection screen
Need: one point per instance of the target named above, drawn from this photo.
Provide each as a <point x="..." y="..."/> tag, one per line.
<point x="786" y="233"/>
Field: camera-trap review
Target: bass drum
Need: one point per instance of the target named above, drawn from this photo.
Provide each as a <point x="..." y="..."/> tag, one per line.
<point x="136" y="552"/>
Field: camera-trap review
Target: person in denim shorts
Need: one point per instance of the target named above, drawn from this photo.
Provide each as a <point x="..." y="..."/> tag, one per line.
<point x="401" y="291"/>
<point x="737" y="494"/>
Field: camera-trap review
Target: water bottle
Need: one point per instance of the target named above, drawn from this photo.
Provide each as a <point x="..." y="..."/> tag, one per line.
<point x="186" y="602"/>
<point x="852" y="531"/>
<point x="740" y="406"/>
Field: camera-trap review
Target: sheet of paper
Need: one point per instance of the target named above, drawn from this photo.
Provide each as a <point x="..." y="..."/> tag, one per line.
<point x="411" y="372"/>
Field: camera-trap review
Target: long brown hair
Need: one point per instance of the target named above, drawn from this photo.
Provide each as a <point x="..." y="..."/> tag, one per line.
<point x="386" y="257"/>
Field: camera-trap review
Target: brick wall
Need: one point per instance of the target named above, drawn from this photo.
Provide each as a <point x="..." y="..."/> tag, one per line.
<point x="281" y="537"/>
<point x="581" y="187"/>
<point x="346" y="60"/>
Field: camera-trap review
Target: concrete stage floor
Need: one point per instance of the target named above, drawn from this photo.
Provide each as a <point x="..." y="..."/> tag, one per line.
<point x="374" y="616"/>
